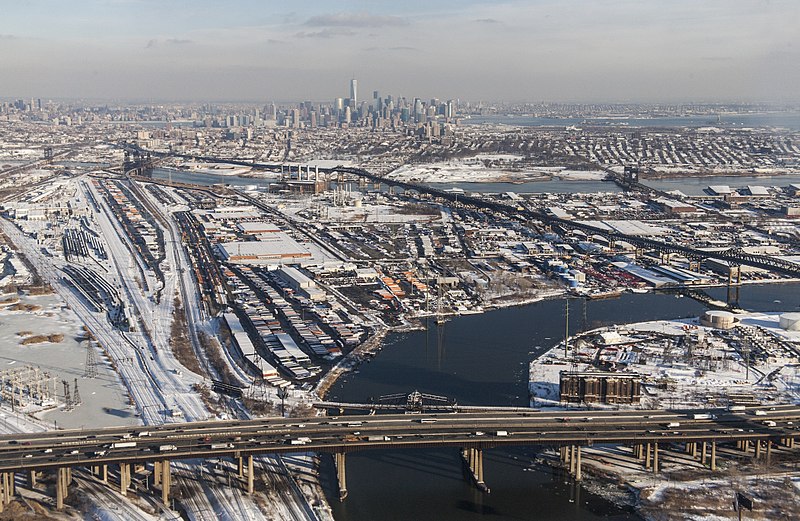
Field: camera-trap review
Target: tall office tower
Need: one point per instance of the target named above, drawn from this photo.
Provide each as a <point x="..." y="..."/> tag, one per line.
<point x="347" y="114"/>
<point x="449" y="109"/>
<point x="377" y="103"/>
<point x="339" y="104"/>
<point x="354" y="91"/>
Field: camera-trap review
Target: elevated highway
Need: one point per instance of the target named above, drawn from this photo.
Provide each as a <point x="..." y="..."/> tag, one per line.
<point x="470" y="431"/>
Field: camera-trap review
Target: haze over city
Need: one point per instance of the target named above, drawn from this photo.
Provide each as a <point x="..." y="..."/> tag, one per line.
<point x="515" y="50"/>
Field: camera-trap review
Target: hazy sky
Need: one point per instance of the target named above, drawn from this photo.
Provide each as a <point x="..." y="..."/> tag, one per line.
<point x="558" y="50"/>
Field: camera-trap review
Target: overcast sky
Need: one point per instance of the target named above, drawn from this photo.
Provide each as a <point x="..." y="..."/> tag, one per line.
<point x="554" y="50"/>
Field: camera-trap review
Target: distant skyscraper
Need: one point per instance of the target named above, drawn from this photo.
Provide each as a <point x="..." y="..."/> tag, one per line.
<point x="354" y="91"/>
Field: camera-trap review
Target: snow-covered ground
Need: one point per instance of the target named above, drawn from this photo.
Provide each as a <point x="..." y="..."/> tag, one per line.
<point x="683" y="364"/>
<point x="488" y="168"/>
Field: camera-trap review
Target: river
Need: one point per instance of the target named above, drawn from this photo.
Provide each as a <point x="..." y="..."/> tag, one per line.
<point x="790" y="120"/>
<point x="483" y="360"/>
<point x="206" y="179"/>
<point x="695" y="185"/>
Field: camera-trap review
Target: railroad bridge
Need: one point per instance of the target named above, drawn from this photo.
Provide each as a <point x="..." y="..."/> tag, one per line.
<point x="734" y="256"/>
<point x="150" y="450"/>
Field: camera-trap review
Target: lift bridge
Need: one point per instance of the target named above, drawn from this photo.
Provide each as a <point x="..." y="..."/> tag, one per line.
<point x="415" y="402"/>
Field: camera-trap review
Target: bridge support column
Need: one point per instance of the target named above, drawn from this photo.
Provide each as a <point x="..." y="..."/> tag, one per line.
<point x="12" y="484"/>
<point x="704" y="454"/>
<point x="104" y="473"/>
<point x="61" y="487"/>
<point x="572" y="458"/>
<point x="578" y="475"/>
<point x="251" y="474"/>
<point x="124" y="469"/>
<point x="32" y="479"/>
<point x="647" y="459"/>
<point x="156" y="473"/>
<point x="6" y="493"/>
<point x="758" y="449"/>
<point x="713" y="456"/>
<point x="769" y="451"/>
<point x="240" y="466"/>
<point x="473" y="461"/>
<point x="655" y="457"/>
<point x="165" y="481"/>
<point x="341" y="476"/>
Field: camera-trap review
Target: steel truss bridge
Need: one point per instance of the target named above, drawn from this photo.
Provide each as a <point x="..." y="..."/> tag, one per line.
<point x="734" y="256"/>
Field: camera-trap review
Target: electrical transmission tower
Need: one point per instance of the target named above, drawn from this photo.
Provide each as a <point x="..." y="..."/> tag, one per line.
<point x="90" y="367"/>
<point x="67" y="396"/>
<point x="76" y="395"/>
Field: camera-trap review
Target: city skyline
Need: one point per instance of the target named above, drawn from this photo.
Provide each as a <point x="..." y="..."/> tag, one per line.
<point x="477" y="50"/>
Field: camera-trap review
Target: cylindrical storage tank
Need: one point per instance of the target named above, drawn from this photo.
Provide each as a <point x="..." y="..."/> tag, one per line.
<point x="718" y="319"/>
<point x="790" y="321"/>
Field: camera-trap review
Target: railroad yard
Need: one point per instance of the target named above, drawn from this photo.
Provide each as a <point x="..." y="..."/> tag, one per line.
<point x="249" y="293"/>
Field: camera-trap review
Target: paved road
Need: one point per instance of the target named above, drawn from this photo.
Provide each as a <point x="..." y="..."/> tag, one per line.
<point x="358" y="432"/>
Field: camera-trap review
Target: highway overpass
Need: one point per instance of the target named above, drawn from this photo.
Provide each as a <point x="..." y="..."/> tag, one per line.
<point x="472" y="432"/>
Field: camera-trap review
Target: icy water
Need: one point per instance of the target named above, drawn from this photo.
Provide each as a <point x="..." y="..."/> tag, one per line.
<point x="697" y="185"/>
<point x="201" y="178"/>
<point x="483" y="360"/>
<point x="790" y="120"/>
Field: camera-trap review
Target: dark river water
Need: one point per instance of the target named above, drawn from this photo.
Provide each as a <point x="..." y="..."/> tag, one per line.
<point x="483" y="360"/>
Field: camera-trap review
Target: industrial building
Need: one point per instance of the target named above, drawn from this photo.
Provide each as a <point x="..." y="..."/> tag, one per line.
<point x="597" y="387"/>
<point x="280" y="249"/>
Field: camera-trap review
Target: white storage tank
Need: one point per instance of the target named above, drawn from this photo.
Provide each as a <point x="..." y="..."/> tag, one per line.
<point x="790" y="321"/>
<point x="718" y="319"/>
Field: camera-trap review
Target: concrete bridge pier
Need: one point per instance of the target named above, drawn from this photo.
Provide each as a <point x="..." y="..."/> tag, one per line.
<point x="124" y="478"/>
<point x="648" y="457"/>
<point x="704" y="454"/>
<point x="251" y="474"/>
<point x="156" y="473"/>
<point x="341" y="475"/>
<point x="473" y="462"/>
<point x="32" y="479"/>
<point x="713" y="456"/>
<point x="757" y="454"/>
<point x="166" y="481"/>
<point x="62" y="489"/>
<point x="8" y="487"/>
<point x="655" y="458"/>
<point x="5" y="493"/>
<point x="572" y="456"/>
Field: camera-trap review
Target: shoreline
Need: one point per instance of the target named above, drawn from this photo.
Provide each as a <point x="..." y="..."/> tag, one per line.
<point x="369" y="348"/>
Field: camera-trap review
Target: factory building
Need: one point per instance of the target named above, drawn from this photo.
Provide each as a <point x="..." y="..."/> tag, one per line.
<point x="598" y="387"/>
<point x="280" y="249"/>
